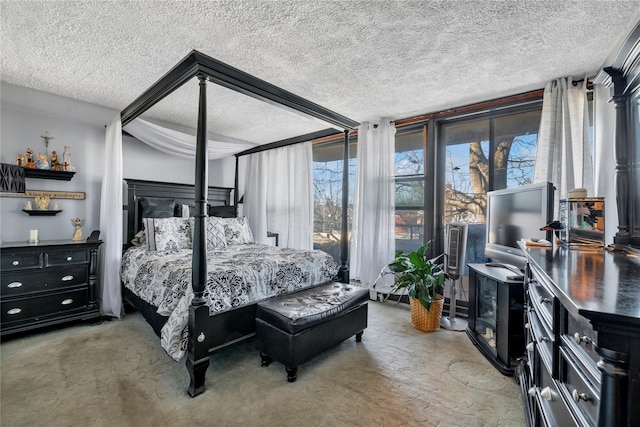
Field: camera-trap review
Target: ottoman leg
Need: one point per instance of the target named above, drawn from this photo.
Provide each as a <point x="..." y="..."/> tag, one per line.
<point x="359" y="336"/>
<point x="292" y="374"/>
<point x="266" y="360"/>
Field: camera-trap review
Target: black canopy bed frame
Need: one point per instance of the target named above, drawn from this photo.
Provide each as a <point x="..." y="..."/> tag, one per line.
<point x="208" y="333"/>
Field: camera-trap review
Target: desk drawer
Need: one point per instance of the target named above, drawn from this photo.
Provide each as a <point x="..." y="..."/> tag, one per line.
<point x="66" y="258"/>
<point x="19" y="309"/>
<point x="14" y="284"/>
<point x="20" y="261"/>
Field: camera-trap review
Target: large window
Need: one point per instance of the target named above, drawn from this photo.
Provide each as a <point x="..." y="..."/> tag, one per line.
<point x="482" y="155"/>
<point x="327" y="194"/>
<point x="410" y="186"/>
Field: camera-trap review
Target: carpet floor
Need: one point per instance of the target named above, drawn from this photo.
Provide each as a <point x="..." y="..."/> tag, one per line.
<point x="116" y="374"/>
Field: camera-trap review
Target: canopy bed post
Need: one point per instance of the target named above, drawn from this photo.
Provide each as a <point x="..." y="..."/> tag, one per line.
<point x="198" y="351"/>
<point x="343" y="272"/>
<point x="235" y="188"/>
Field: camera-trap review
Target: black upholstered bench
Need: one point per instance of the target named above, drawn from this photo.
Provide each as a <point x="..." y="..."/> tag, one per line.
<point x="294" y="328"/>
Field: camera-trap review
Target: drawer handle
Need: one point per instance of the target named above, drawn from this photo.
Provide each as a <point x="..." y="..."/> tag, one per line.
<point x="579" y="339"/>
<point x="545" y="300"/>
<point x="14" y="285"/>
<point x="532" y="391"/>
<point x="530" y="346"/>
<point x="14" y="311"/>
<point x="543" y="339"/>
<point x="549" y="394"/>
<point x="67" y="301"/>
<point x="67" y="278"/>
<point x="15" y="262"/>
<point x="527" y="326"/>
<point x="579" y="396"/>
<point x="69" y="258"/>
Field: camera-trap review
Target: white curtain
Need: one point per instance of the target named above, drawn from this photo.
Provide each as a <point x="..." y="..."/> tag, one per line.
<point x="181" y="144"/>
<point x="604" y="129"/>
<point x="563" y="154"/>
<point x="373" y="237"/>
<point x="111" y="221"/>
<point x="279" y="195"/>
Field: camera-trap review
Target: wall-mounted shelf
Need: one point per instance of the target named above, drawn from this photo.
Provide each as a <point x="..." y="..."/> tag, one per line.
<point x="40" y="213"/>
<point x="48" y="174"/>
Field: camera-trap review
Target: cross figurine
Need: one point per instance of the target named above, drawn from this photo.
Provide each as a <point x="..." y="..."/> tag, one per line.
<point x="46" y="138"/>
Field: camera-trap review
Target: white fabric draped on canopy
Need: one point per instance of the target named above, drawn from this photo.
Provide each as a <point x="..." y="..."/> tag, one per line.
<point x="182" y="144"/>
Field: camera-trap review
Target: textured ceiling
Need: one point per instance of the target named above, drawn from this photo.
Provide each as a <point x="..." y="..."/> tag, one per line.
<point x="363" y="59"/>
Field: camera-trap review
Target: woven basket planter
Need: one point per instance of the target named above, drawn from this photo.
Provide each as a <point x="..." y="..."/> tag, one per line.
<point x="426" y="320"/>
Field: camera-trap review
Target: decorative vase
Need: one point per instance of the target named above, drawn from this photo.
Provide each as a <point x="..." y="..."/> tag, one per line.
<point x="426" y="320"/>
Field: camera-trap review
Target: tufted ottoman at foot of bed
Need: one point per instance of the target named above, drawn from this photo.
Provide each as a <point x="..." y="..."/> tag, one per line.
<point x="296" y="327"/>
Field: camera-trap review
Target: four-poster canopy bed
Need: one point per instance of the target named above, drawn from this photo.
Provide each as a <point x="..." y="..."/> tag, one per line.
<point x="208" y="332"/>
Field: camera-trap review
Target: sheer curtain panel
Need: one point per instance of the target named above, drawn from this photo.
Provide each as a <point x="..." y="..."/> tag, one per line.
<point x="279" y="195"/>
<point x="563" y="155"/>
<point x="604" y="136"/>
<point x="111" y="221"/>
<point x="373" y="237"/>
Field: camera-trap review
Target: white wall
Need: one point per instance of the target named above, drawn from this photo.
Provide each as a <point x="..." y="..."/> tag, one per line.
<point x="26" y="114"/>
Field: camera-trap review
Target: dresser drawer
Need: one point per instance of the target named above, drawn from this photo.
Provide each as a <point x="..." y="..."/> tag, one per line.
<point x="20" y="309"/>
<point x="543" y="337"/>
<point x="66" y="258"/>
<point x="542" y="302"/>
<point x="582" y="395"/>
<point x="554" y="410"/>
<point x="43" y="280"/>
<point x="21" y="261"/>
<point x="580" y="340"/>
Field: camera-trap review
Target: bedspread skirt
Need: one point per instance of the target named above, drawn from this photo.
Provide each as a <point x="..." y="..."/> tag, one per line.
<point x="236" y="276"/>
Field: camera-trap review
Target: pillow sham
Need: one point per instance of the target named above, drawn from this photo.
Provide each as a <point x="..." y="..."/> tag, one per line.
<point x="156" y="207"/>
<point x="167" y="234"/>
<point x="236" y="230"/>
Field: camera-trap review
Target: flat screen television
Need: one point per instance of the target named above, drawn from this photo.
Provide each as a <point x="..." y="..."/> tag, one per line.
<point x="514" y="214"/>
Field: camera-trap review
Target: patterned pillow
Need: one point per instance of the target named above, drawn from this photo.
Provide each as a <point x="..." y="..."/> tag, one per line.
<point x="236" y="230"/>
<point x="214" y="233"/>
<point x="167" y="234"/>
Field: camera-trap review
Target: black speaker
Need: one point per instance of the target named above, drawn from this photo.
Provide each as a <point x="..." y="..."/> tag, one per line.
<point x="456" y="248"/>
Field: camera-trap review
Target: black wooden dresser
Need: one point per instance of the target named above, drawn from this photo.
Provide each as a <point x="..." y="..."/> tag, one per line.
<point x="47" y="283"/>
<point x="582" y="338"/>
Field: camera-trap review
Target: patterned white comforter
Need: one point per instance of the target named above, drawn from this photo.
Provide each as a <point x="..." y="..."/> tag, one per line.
<point x="237" y="275"/>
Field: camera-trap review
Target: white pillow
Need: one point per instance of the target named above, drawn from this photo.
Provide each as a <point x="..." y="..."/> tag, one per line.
<point x="167" y="234"/>
<point x="236" y="230"/>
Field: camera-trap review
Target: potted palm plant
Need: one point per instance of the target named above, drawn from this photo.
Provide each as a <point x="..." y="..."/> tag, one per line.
<point x="423" y="279"/>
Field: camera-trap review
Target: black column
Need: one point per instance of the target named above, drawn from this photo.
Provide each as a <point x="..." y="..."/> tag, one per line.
<point x="198" y="345"/>
<point x="622" y="155"/>
<point x="614" y="391"/>
<point x="343" y="272"/>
